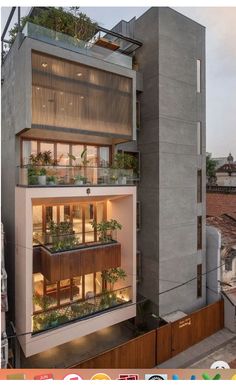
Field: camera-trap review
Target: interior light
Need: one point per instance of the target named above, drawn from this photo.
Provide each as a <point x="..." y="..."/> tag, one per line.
<point x="79" y="74"/>
<point x="43" y="106"/>
<point x="44" y="64"/>
<point x="70" y="103"/>
<point x="62" y="109"/>
<point x="37" y="88"/>
<point x="82" y="97"/>
<point x="61" y="92"/>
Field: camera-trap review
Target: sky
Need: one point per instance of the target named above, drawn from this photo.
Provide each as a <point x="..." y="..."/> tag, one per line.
<point x="220" y="26"/>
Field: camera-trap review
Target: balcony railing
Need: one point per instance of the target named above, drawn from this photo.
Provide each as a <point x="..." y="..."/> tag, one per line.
<point x="55" y="317"/>
<point x="67" y="42"/>
<point x="221" y="189"/>
<point x="74" y="176"/>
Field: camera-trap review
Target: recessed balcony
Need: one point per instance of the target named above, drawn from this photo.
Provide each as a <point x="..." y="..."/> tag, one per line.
<point x="57" y="316"/>
<point x="59" y="176"/>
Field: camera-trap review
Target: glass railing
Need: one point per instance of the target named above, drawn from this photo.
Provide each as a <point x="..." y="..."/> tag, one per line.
<point x="62" y="40"/>
<point x="51" y="318"/>
<point x="55" y="243"/>
<point x="30" y="175"/>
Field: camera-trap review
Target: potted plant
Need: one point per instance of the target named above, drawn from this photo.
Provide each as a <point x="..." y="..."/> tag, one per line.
<point x="32" y="175"/>
<point x="79" y="180"/>
<point x="51" y="180"/>
<point x="126" y="165"/>
<point x="42" y="178"/>
<point x="112" y="275"/>
<point x="105" y="229"/>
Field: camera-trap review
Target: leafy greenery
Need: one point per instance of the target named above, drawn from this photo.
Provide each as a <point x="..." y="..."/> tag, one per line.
<point x="43" y="159"/>
<point x="44" y="302"/>
<point x="69" y="21"/>
<point x="125" y="161"/>
<point x="211" y="166"/>
<point x="112" y="275"/>
<point x="51" y="180"/>
<point x="105" y="229"/>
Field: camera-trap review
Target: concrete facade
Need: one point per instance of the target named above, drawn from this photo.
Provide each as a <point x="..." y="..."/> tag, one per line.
<point x="171" y="107"/>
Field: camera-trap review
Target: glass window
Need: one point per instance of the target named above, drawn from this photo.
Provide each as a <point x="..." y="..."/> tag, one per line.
<point x="199" y="138"/>
<point x="198" y="75"/>
<point x="89" y="216"/>
<point x="28" y="148"/>
<point x="77" y="150"/>
<point x="51" y="214"/>
<point x="77" y="216"/>
<point x="62" y="154"/>
<point x="47" y="146"/>
<point x="199" y="280"/>
<point x="92" y="155"/>
<point x="37" y="220"/>
<point x="98" y="282"/>
<point x="100" y="211"/>
<point x="199" y="232"/>
<point x="38" y="281"/>
<point x="64" y="213"/>
<point x="65" y="291"/>
<point x="199" y="186"/>
<point x="77" y="288"/>
<point x="89" y="286"/>
<point x="104" y="156"/>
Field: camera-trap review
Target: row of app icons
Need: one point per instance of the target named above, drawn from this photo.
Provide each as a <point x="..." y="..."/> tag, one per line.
<point x="121" y="377"/>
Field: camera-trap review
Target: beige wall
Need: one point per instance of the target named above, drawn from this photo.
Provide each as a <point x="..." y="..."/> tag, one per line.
<point x="122" y="206"/>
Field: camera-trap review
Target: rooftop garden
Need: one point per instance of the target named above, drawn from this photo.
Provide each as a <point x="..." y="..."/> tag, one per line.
<point x="68" y="20"/>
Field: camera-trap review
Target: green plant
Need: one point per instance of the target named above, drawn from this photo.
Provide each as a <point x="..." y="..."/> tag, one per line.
<point x="63" y="228"/>
<point x="44" y="302"/>
<point x="52" y="179"/>
<point x="125" y="161"/>
<point x="211" y="166"/>
<point x="67" y="243"/>
<point x="60" y="19"/>
<point x="112" y="275"/>
<point x="104" y="227"/>
<point x="42" y="172"/>
<point x="32" y="175"/>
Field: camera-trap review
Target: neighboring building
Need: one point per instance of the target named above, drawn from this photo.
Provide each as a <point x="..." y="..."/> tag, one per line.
<point x="4" y="306"/>
<point x="226" y="173"/>
<point x="220" y="200"/>
<point x="82" y="102"/>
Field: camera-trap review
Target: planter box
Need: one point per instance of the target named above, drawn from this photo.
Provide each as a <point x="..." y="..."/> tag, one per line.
<point x="77" y="262"/>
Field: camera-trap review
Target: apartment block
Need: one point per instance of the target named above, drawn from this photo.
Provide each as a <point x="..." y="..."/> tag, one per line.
<point x="98" y="135"/>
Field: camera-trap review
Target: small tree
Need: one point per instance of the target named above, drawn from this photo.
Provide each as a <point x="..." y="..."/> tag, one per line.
<point x="211" y="166"/>
<point x="112" y="275"/>
<point x="104" y="227"/>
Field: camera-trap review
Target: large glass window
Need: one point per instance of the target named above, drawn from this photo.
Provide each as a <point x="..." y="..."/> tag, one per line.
<point x="47" y="146"/>
<point x="62" y="154"/>
<point x="89" y="217"/>
<point x="199" y="232"/>
<point x="75" y="96"/>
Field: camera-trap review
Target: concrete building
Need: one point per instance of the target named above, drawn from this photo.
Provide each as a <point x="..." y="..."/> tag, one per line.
<point x="78" y="105"/>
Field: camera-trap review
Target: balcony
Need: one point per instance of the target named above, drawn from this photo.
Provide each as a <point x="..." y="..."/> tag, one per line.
<point x="57" y="316"/>
<point x="67" y="42"/>
<point x="66" y="258"/>
<point x="61" y="176"/>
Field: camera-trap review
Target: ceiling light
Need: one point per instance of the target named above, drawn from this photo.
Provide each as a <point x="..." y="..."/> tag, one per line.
<point x="79" y="74"/>
<point x="61" y="92"/>
<point x="70" y="103"/>
<point x="43" y="106"/>
<point x="37" y="88"/>
<point x="82" y="97"/>
<point x="44" y="64"/>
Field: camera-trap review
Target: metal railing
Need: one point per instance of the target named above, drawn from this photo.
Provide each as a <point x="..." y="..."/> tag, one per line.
<point x="62" y="40"/>
<point x="31" y="175"/>
<point x="94" y="304"/>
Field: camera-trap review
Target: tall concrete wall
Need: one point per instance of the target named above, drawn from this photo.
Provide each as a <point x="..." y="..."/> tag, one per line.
<point x="170" y="110"/>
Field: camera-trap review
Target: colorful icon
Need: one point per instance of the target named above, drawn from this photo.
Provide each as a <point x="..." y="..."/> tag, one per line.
<point x="233" y="377"/>
<point x="128" y="377"/>
<point x="43" y="377"/>
<point x="100" y="377"/>
<point x="175" y="377"/>
<point x="15" y="377"/>
<point x="72" y="377"/>
<point x="220" y="365"/>
<point x="155" y="377"/>
<point x="208" y="377"/>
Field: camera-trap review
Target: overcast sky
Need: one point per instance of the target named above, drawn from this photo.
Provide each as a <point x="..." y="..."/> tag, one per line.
<point x="220" y="26"/>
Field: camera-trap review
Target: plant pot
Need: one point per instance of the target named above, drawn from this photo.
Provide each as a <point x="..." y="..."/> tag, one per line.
<point x="123" y="180"/>
<point x="42" y="180"/>
<point x="79" y="182"/>
<point x="51" y="183"/>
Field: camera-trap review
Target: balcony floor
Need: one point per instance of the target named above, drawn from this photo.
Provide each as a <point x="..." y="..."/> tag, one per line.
<point x="78" y="350"/>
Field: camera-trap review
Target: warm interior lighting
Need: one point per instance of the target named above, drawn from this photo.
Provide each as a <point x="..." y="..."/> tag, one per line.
<point x="82" y="97"/>
<point x="37" y="88"/>
<point x="79" y="74"/>
<point x="44" y="64"/>
<point x="43" y="106"/>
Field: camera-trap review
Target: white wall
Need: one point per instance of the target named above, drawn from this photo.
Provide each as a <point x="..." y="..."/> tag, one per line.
<point x="213" y="260"/>
<point x="123" y="208"/>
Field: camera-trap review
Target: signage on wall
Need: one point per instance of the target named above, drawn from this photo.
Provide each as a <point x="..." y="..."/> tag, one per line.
<point x="185" y="322"/>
